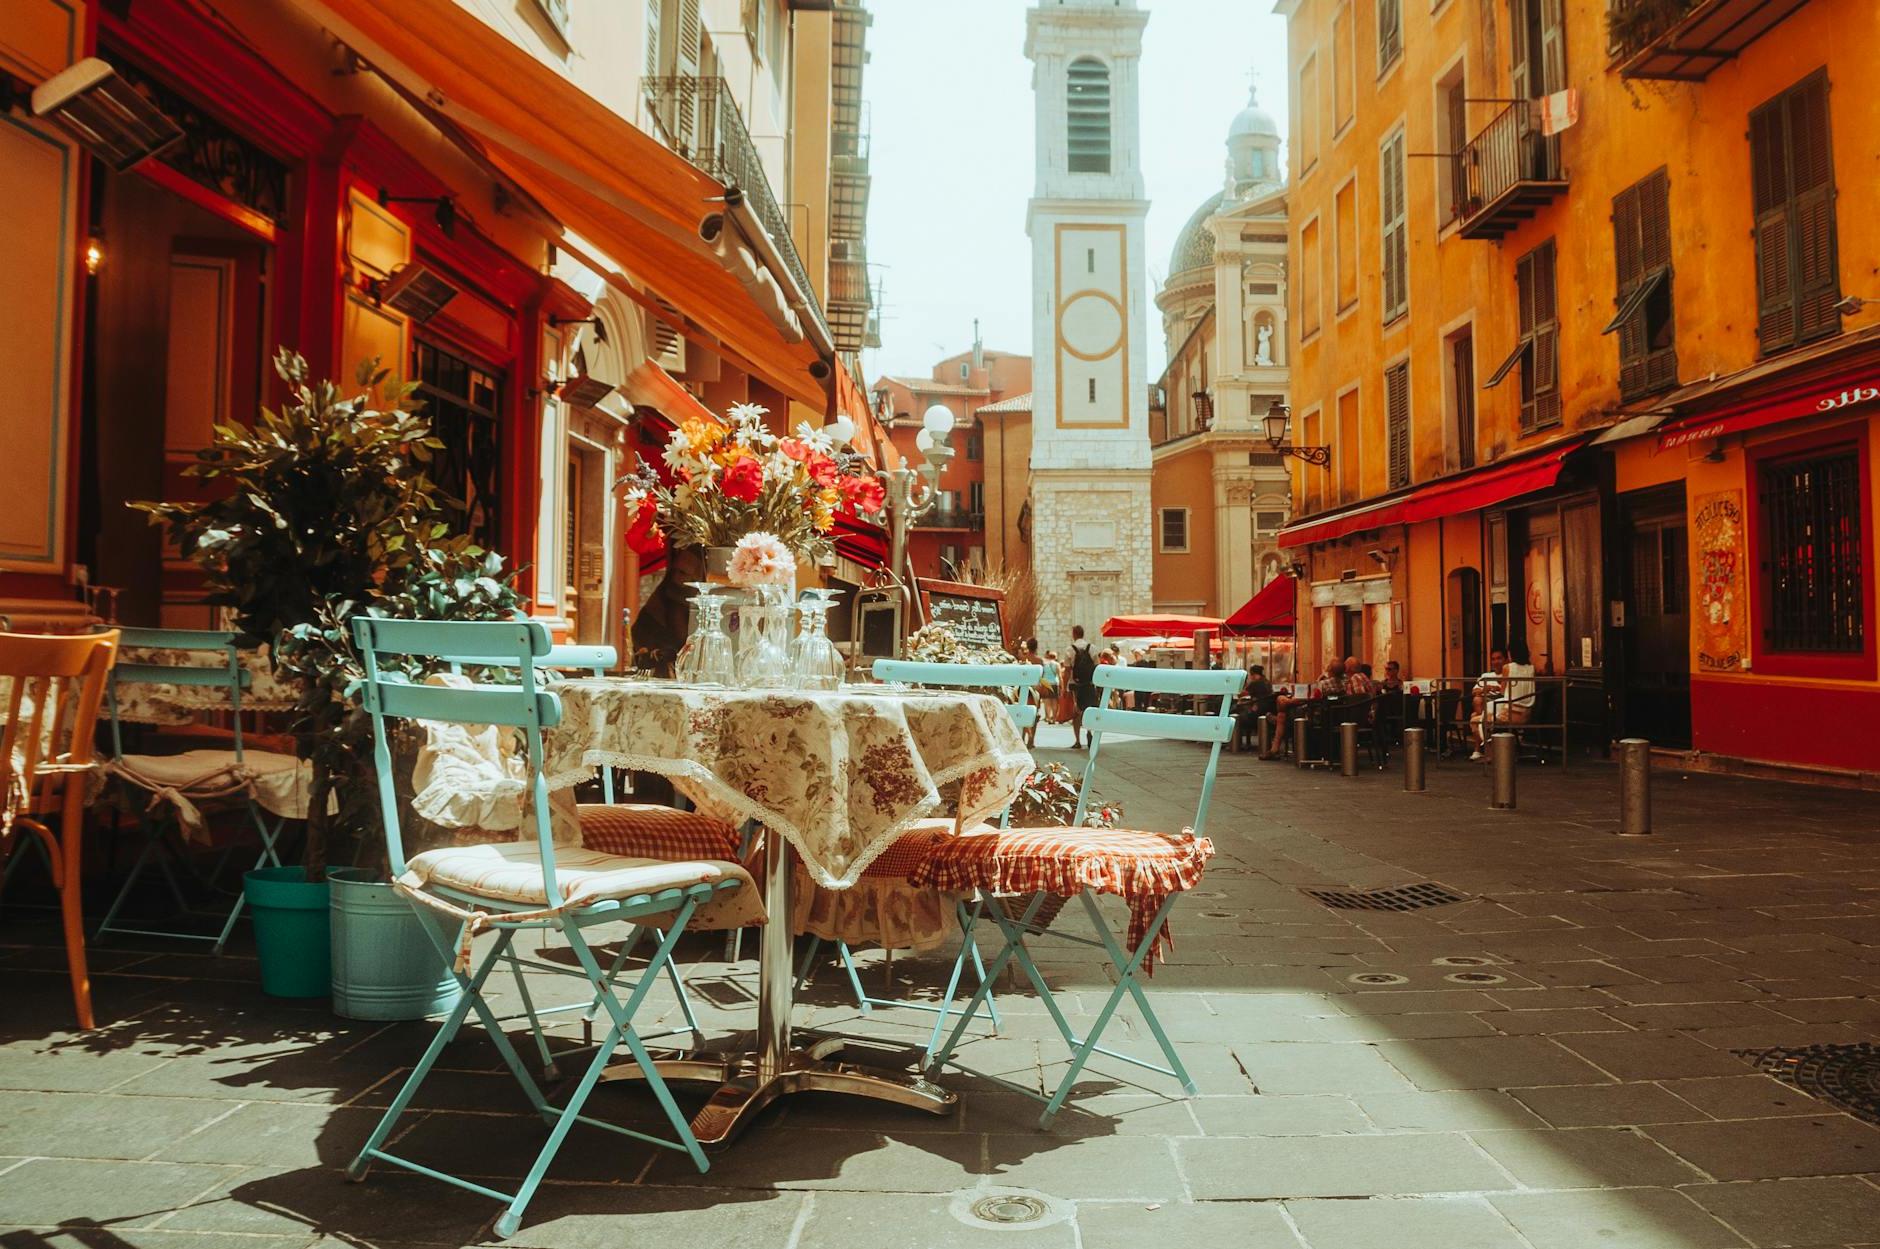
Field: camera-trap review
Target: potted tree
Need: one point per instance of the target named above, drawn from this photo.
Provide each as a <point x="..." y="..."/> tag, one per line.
<point x="324" y="511"/>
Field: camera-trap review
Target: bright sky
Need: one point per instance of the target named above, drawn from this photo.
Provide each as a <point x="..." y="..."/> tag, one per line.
<point x="950" y="104"/>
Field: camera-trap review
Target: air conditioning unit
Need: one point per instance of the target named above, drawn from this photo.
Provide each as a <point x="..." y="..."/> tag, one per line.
<point x="416" y="291"/>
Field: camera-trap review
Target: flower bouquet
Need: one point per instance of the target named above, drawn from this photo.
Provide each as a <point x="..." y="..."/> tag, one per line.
<point x="938" y="644"/>
<point x="723" y="482"/>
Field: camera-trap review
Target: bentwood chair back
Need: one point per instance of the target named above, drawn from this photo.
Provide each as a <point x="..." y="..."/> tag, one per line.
<point x="53" y="688"/>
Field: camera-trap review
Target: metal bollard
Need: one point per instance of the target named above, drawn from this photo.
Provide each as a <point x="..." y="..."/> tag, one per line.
<point x="1635" y="787"/>
<point x="1501" y="756"/>
<point x="1299" y="742"/>
<point x="1413" y="761"/>
<point x="1263" y="735"/>
<point x="1348" y="748"/>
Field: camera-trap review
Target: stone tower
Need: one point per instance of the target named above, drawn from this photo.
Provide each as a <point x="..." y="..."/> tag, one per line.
<point x="1090" y="458"/>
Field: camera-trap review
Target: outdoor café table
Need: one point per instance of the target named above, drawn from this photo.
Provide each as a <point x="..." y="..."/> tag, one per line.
<point x="834" y="778"/>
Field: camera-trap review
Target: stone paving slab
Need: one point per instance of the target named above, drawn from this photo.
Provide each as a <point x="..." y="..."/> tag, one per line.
<point x="1579" y="1085"/>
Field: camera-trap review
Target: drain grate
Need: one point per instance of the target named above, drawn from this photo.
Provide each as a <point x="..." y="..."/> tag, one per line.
<point x="1403" y="898"/>
<point x="1378" y="977"/>
<point x="1475" y="977"/>
<point x="1009" y="1209"/>
<point x="1847" y="1076"/>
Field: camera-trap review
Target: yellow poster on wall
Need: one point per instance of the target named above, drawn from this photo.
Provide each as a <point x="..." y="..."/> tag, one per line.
<point x="1721" y="623"/>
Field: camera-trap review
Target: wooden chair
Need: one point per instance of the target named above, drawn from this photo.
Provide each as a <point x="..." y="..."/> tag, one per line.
<point x="44" y="762"/>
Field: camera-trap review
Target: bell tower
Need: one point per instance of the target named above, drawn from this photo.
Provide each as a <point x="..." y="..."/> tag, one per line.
<point x="1090" y="458"/>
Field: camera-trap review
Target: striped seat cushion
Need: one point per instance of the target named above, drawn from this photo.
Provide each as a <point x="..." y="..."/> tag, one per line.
<point x="646" y="831"/>
<point x="1143" y="868"/>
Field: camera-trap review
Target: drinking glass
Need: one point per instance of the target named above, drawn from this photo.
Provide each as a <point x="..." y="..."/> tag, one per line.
<point x="764" y="651"/>
<point x="815" y="662"/>
<point x="708" y="658"/>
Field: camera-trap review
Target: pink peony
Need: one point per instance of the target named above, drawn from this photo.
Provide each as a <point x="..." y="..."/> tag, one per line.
<point x="761" y="559"/>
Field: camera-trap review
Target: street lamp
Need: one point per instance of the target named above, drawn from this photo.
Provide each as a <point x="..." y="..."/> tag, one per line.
<point x="1278" y="417"/>
<point x="913" y="492"/>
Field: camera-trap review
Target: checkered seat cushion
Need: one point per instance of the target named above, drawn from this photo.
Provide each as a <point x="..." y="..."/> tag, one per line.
<point x="1143" y="868"/>
<point x="647" y="831"/>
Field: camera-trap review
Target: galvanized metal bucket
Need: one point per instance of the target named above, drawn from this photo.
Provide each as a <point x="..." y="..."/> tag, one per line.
<point x="385" y="966"/>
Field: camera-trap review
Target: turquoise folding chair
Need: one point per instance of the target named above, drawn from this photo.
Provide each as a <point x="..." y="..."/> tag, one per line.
<point x="974" y="859"/>
<point x="194" y="775"/>
<point x="1022" y="678"/>
<point x="513" y="887"/>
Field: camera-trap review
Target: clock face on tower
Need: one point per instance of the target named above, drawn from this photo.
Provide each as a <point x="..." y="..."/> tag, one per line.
<point x="1092" y="328"/>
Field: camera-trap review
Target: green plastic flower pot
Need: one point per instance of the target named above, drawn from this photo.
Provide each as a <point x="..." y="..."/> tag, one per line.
<point x="385" y="966"/>
<point x="290" y="919"/>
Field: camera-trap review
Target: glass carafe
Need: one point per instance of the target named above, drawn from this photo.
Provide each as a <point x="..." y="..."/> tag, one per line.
<point x="708" y="657"/>
<point x="764" y="633"/>
<point x="815" y="662"/>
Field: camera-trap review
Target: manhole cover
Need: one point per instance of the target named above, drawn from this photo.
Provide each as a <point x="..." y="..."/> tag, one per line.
<point x="1460" y="960"/>
<point x="1378" y="977"/>
<point x="1475" y="977"/>
<point x="1219" y="915"/>
<point x="1847" y="1076"/>
<point x="1403" y="898"/>
<point x="1008" y="1209"/>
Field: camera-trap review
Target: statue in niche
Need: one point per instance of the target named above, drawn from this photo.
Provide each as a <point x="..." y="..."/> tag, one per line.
<point x="1263" y="348"/>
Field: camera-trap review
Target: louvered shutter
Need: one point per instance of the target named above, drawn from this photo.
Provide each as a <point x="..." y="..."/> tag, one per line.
<point x="1654" y="227"/>
<point x="1811" y="216"/>
<point x="686" y="54"/>
<point x="1524" y="306"/>
<point x="1546" y="338"/>
<point x="1629" y="260"/>
<point x="1769" y="183"/>
<point x="1553" y="50"/>
<point x="1397" y="421"/>
<point x="654" y="15"/>
<point x="1391" y="218"/>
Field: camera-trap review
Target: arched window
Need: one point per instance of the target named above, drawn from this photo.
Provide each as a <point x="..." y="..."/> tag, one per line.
<point x="1088" y="110"/>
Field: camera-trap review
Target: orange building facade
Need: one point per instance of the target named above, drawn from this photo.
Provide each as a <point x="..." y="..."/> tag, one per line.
<point x="1581" y="313"/>
<point x="978" y="515"/>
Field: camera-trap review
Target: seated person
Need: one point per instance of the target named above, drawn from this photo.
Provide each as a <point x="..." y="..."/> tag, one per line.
<point x="1509" y="701"/>
<point x="1393" y="678"/>
<point x="1256" y="699"/>
<point x="1330" y="684"/>
<point x="1357" y="679"/>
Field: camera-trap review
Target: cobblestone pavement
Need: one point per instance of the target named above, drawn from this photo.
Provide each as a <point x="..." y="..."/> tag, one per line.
<point x="1554" y="1061"/>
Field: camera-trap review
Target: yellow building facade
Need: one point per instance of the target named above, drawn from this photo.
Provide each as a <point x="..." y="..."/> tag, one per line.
<point x="1580" y="316"/>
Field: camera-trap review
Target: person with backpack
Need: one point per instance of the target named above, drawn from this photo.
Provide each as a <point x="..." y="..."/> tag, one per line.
<point x="1083" y="683"/>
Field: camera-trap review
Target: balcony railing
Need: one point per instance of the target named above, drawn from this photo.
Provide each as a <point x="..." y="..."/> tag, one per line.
<point x="951" y="518"/>
<point x="1505" y="174"/>
<point x="1684" y="40"/>
<point x="699" y="119"/>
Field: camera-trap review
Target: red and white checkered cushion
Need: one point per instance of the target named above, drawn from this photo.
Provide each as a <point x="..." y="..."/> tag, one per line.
<point x="647" y="831"/>
<point x="1143" y="868"/>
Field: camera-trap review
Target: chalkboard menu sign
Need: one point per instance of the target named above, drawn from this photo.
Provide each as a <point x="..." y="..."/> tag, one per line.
<point x="975" y="613"/>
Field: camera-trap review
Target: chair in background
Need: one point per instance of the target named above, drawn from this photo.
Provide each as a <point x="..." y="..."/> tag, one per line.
<point x="901" y="860"/>
<point x="509" y="887"/>
<point x="53" y="688"/>
<point x="263" y="783"/>
<point x="1030" y="867"/>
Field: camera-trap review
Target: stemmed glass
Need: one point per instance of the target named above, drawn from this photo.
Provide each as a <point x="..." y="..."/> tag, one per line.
<point x="707" y="658"/>
<point x="815" y="662"/>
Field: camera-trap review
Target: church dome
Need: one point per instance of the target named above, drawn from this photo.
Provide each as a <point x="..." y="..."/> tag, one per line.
<point x="1194" y="246"/>
<point x="1253" y="120"/>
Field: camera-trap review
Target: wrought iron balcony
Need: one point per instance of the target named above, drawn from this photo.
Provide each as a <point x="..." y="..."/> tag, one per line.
<point x="1505" y="174"/>
<point x="951" y="518"/>
<point x="848" y="186"/>
<point x="850" y="298"/>
<point x="699" y="119"/>
<point x="1684" y="40"/>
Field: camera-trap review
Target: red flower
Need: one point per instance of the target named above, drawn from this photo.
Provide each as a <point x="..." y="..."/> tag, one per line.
<point x="864" y="494"/>
<point x="743" y="480"/>
<point x="822" y="469"/>
<point x="643" y="532"/>
<point x="794" y="448"/>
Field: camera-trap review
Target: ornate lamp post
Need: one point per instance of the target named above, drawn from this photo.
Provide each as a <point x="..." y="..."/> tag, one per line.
<point x="1278" y="417"/>
<point x="913" y="492"/>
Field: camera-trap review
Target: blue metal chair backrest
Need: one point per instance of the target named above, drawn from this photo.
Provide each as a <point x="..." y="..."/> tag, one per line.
<point x="229" y="676"/>
<point x="517" y="644"/>
<point x="1215" y="728"/>
<point x="1021" y="677"/>
<point x="591" y="659"/>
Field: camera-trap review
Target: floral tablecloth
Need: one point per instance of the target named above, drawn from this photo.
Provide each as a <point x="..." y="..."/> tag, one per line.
<point x="840" y="775"/>
<point x="151" y="702"/>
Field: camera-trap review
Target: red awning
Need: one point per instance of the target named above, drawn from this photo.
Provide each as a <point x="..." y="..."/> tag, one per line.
<point x="1757" y="413"/>
<point x="1268" y="614"/>
<point x="1448" y="496"/>
<point x="1157" y="626"/>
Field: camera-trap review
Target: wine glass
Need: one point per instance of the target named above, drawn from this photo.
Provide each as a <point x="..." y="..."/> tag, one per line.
<point x="764" y="655"/>
<point x="815" y="662"/>
<point x="707" y="658"/>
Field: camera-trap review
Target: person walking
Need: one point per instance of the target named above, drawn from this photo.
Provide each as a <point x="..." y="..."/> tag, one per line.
<point x="1083" y="684"/>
